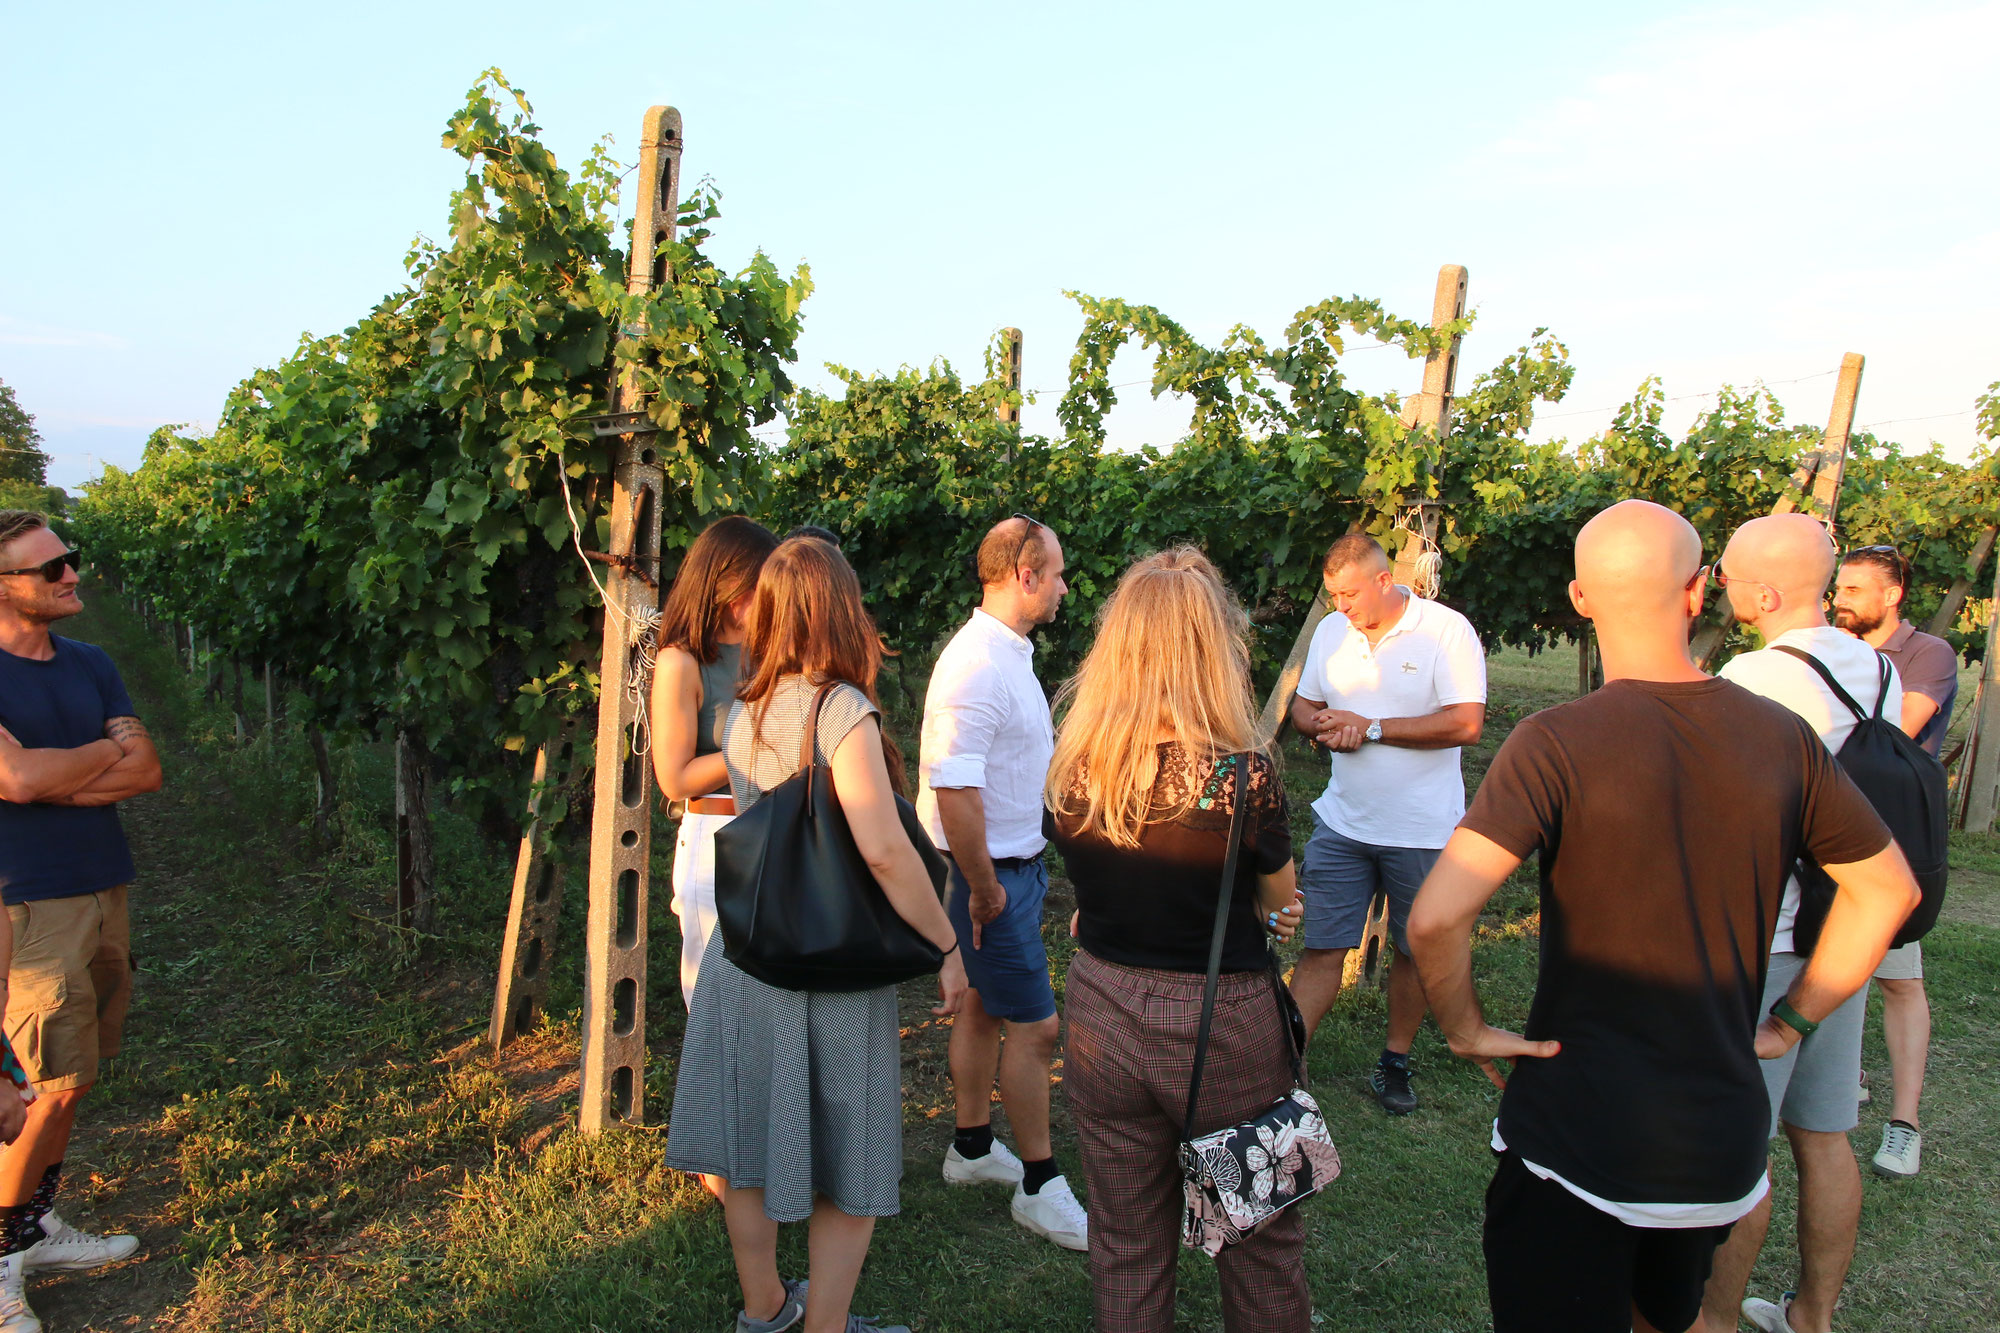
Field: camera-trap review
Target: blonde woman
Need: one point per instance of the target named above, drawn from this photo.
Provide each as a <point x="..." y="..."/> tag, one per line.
<point x="1149" y="766"/>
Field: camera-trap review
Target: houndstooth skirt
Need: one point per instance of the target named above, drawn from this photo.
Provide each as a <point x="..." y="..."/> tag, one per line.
<point x="795" y="1093"/>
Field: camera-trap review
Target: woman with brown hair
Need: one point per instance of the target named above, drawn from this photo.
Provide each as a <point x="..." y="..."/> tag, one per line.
<point x="694" y="682"/>
<point x="794" y="1098"/>
<point x="1156" y="748"/>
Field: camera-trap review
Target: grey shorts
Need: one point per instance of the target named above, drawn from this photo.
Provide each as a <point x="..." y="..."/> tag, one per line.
<point x="1904" y="964"/>
<point x="1817" y="1084"/>
<point x="1338" y="877"/>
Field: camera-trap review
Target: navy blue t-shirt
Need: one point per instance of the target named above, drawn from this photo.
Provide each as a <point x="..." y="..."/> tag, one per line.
<point x="60" y="851"/>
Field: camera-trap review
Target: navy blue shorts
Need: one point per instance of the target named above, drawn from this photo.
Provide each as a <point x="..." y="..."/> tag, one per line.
<point x="1338" y="877"/>
<point x="1010" y="968"/>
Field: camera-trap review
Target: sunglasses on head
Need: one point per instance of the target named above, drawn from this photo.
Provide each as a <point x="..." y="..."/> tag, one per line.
<point x="1027" y="532"/>
<point x="51" y="569"/>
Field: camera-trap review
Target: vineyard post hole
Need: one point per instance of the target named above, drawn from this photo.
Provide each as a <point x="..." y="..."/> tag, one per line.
<point x="1430" y="408"/>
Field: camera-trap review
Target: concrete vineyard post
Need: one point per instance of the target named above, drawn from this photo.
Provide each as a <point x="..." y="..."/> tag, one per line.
<point x="614" y="992"/>
<point x="1981" y="774"/>
<point x="1431" y="407"/>
<point x="1954" y="600"/>
<point x="1814" y="489"/>
<point x="528" y="948"/>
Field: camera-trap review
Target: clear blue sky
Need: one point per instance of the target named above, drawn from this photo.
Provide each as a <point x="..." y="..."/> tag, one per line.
<point x="1708" y="193"/>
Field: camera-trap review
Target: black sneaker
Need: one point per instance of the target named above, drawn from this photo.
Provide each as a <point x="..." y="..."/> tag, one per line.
<point x="1391" y="1086"/>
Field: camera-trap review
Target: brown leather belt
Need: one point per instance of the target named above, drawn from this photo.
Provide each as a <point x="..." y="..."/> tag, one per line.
<point x="712" y="805"/>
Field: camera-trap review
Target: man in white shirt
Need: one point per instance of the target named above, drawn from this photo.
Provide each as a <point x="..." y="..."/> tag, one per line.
<point x="1394" y="684"/>
<point x="1775" y="573"/>
<point x="984" y="757"/>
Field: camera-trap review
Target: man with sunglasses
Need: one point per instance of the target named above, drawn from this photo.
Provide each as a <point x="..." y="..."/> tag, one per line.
<point x="984" y="757"/>
<point x="70" y="750"/>
<point x="1775" y="573"/>
<point x="1868" y="603"/>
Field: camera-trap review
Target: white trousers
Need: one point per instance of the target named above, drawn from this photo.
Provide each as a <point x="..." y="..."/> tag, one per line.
<point x="694" y="892"/>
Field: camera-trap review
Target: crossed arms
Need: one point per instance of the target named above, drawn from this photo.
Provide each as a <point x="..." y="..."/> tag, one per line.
<point x="121" y="765"/>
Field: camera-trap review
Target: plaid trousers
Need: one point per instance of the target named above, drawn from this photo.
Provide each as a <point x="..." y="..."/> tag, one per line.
<point x="1128" y="1057"/>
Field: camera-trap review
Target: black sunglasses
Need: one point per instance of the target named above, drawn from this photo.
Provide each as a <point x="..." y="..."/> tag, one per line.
<point x="51" y="569"/>
<point x="1026" y="533"/>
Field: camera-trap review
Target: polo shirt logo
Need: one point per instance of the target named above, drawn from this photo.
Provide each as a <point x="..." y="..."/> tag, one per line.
<point x="1409" y="668"/>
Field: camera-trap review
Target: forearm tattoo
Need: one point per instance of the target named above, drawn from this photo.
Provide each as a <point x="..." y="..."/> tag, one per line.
<point x="126" y="729"/>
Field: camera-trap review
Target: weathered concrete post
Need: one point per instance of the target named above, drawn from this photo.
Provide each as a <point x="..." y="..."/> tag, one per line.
<point x="1430" y="407"/>
<point x="528" y="948"/>
<point x="621" y="828"/>
<point x="1981" y="774"/>
<point x="1814" y="489"/>
<point x="1954" y="600"/>
<point x="1010" y="372"/>
<point x="416" y="865"/>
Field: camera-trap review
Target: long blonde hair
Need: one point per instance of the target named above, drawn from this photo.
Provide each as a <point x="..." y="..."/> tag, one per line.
<point x="1171" y="660"/>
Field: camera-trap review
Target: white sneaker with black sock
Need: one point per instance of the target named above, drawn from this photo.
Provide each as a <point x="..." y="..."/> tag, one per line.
<point x="1053" y="1211"/>
<point x="15" y="1316"/>
<point x="63" y="1248"/>
<point x="997" y="1166"/>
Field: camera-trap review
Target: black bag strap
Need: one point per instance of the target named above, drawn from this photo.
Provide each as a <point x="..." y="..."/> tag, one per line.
<point x="1834" y="685"/>
<point x="809" y="741"/>
<point x="1222" y="902"/>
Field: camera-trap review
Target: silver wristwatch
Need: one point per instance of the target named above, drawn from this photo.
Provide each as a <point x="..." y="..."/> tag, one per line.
<point x="1374" y="732"/>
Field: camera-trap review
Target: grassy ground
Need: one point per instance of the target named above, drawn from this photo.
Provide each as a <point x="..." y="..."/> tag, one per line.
<point x="309" y="1134"/>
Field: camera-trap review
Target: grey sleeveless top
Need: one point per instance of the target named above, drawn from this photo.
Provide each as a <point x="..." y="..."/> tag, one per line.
<point x="718" y="691"/>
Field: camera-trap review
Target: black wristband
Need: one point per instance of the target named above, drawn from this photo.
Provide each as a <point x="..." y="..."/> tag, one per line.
<point x="949" y="952"/>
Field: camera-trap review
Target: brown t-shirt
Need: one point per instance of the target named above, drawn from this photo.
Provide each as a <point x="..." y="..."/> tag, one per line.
<point x="1667" y="817"/>
<point x="1154" y="905"/>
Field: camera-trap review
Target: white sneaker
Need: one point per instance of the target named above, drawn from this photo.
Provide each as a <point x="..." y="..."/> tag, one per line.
<point x="998" y="1167"/>
<point x="1769" y="1316"/>
<point x="65" y="1249"/>
<point x="1055" y="1213"/>
<point x="1902" y="1149"/>
<point x="15" y="1316"/>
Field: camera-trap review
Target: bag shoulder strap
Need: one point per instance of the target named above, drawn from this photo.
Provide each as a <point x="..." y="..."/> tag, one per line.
<point x="1222" y="901"/>
<point x="809" y="738"/>
<point x="1835" y="685"/>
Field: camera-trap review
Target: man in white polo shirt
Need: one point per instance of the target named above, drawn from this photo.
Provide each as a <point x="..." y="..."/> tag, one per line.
<point x="987" y="742"/>
<point x="1394" y="685"/>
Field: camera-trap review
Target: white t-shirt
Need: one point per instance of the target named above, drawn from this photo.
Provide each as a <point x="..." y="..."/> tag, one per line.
<point x="1785" y="679"/>
<point x="987" y="725"/>
<point x="1429" y="659"/>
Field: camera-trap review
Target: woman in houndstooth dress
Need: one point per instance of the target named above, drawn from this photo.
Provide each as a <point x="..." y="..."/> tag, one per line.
<point x="794" y="1098"/>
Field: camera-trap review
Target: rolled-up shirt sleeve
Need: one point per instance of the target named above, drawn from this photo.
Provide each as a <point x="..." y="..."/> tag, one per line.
<point x="959" y="730"/>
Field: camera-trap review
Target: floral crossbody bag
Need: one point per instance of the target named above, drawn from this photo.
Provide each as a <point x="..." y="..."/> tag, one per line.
<point x="1239" y="1178"/>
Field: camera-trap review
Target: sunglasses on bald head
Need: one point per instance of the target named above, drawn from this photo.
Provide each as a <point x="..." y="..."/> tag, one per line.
<point x="51" y="569"/>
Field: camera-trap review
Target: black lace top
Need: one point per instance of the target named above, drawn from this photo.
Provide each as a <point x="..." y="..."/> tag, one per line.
<point x="1154" y="905"/>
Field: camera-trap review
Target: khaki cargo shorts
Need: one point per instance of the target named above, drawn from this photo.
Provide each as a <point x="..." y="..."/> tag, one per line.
<point x="70" y="985"/>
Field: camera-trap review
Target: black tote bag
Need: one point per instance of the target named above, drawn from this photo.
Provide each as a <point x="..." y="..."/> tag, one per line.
<point x="797" y="905"/>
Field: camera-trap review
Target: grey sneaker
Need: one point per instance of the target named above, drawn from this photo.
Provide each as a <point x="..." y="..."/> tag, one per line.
<point x="865" y="1323"/>
<point x="1391" y="1086"/>
<point x="1770" y="1315"/>
<point x="1902" y="1149"/>
<point x="790" y="1314"/>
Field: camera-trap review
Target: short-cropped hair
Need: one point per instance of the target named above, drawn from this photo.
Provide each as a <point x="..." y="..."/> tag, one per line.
<point x="1354" y="548"/>
<point x="1006" y="547"/>
<point x="19" y="523"/>
<point x="1888" y="559"/>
